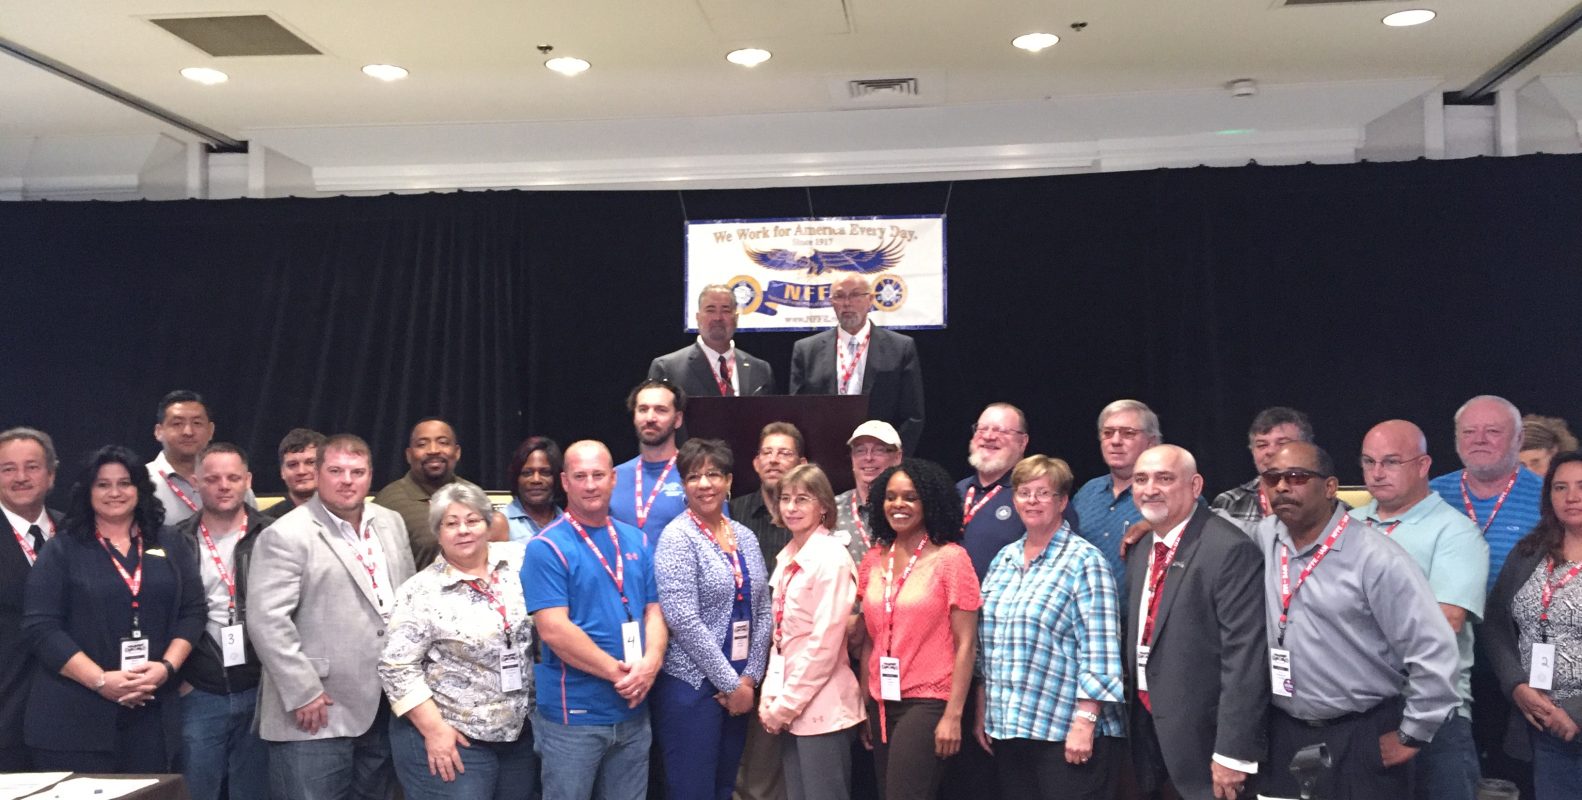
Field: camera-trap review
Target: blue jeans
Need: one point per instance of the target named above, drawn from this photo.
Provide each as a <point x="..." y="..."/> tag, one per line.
<point x="339" y="768"/>
<point x="493" y="770"/>
<point x="218" y="732"/>
<point x="1447" y="769"/>
<point x="700" y="741"/>
<point x="1557" y="767"/>
<point x="583" y="762"/>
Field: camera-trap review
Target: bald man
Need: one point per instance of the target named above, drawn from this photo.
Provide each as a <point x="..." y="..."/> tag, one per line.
<point x="1455" y="559"/>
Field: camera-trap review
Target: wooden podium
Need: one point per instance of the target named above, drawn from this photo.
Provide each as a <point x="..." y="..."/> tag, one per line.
<point x="826" y="422"/>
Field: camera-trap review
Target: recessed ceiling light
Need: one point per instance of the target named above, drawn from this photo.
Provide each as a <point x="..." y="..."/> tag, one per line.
<point x="1402" y="19"/>
<point x="205" y="75"/>
<point x="748" y="56"/>
<point x="385" y="72"/>
<point x="566" y="65"/>
<point x="1033" y="42"/>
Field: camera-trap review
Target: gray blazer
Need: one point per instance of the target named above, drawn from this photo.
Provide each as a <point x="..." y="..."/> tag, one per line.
<point x="691" y="370"/>
<point x="314" y="621"/>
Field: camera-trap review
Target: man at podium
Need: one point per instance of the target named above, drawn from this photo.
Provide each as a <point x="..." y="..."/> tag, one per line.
<point x="712" y="366"/>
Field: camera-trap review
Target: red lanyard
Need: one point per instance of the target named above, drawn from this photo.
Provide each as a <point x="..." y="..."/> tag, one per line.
<point x="134" y="580"/>
<point x="968" y="510"/>
<point x="180" y="495"/>
<point x="369" y="564"/>
<point x="856" y="519"/>
<point x="851" y="367"/>
<point x="889" y="598"/>
<point x="27" y="549"/>
<point x="1287" y="591"/>
<point x="1549" y="594"/>
<point x="618" y="575"/>
<point x="1154" y="585"/>
<point x="1467" y="499"/>
<point x="494" y="601"/>
<point x="780" y="598"/>
<point x="733" y="555"/>
<point x="219" y="566"/>
<point x="637" y="490"/>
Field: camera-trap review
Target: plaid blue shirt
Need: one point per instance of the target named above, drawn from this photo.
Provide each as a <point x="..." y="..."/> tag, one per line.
<point x="1048" y="637"/>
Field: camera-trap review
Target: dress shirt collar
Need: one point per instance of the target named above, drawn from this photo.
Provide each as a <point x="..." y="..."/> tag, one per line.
<point x="714" y="355"/>
<point x="21" y="525"/>
<point x="801" y="559"/>
<point x="1283" y="534"/>
<point x="1055" y="542"/>
<point x="1172" y="538"/>
<point x="1420" y="509"/>
<point x="842" y="337"/>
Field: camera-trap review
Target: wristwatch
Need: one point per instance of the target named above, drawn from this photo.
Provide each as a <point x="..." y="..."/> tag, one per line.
<point x="1089" y="716"/>
<point x="1407" y="741"/>
<point x="170" y="670"/>
<point x="98" y="687"/>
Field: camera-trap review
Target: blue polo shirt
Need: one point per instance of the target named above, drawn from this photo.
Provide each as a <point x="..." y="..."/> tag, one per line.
<point x="996" y="524"/>
<point x="668" y="504"/>
<point x="560" y="570"/>
<point x="1516" y="519"/>
<point x="1104" y="518"/>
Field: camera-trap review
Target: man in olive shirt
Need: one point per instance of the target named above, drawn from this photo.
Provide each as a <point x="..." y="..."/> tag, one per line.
<point x="432" y="452"/>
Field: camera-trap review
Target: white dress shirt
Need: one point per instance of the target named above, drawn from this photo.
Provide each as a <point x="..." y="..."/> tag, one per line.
<point x="730" y="358"/>
<point x="843" y="348"/>
<point x="366" y="545"/>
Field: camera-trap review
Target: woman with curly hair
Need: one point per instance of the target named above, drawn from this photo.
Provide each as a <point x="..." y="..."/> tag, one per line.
<point x="920" y="605"/>
<point x="111" y="612"/>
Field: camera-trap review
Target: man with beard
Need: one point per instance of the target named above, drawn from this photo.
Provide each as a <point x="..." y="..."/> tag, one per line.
<point x="27" y="473"/>
<point x="1193" y="640"/>
<point x="299" y="469"/>
<point x="713" y="366"/>
<point x="648" y="493"/>
<point x="989" y="523"/>
<point x="431" y="455"/>
<point x="1361" y="658"/>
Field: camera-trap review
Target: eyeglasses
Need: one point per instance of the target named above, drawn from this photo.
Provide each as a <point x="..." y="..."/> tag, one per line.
<point x="1040" y="495"/>
<point x="1389" y="463"/>
<point x="844" y="297"/>
<point x="1296" y="476"/>
<point x="712" y="476"/>
<point x="865" y="450"/>
<point x="454" y="524"/>
<point x="1125" y="433"/>
<point x="995" y="430"/>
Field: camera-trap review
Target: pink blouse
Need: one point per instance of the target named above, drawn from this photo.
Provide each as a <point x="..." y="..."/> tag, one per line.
<point x="810" y="683"/>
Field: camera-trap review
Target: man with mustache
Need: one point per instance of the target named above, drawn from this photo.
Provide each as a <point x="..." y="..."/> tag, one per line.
<point x="431" y="454"/>
<point x="27" y="473"/>
<point x="989" y="523"/>
<point x="1193" y="639"/>
<point x="713" y="366"/>
<point x="1455" y="559"/>
<point x="1361" y="658"/>
<point x="648" y="493"/>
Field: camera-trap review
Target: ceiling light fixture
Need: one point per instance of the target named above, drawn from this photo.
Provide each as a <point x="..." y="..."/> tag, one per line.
<point x="568" y="66"/>
<point x="1404" y="19"/>
<point x="385" y="72"/>
<point x="1033" y="42"/>
<point x="205" y="75"/>
<point x="748" y="56"/>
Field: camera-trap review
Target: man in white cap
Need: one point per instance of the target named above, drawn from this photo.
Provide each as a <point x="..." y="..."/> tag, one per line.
<point x="875" y="447"/>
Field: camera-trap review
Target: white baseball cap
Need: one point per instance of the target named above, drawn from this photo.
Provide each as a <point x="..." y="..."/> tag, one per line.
<point x="878" y="429"/>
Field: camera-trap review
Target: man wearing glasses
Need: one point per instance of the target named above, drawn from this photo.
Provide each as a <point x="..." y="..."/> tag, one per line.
<point x="1455" y="559"/>
<point x="858" y="357"/>
<point x="988" y="520"/>
<point x="1360" y="656"/>
<point x="1104" y="504"/>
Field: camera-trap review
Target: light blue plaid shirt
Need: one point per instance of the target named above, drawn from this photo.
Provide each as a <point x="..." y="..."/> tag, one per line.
<point x="1048" y="637"/>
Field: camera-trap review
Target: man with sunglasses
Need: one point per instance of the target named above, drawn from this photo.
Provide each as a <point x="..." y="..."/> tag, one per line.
<point x="1455" y="559"/>
<point x="1361" y="658"/>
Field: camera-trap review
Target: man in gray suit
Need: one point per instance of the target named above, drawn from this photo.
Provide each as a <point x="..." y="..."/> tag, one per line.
<point x="713" y="366"/>
<point x="320" y="589"/>
<point x="858" y="357"/>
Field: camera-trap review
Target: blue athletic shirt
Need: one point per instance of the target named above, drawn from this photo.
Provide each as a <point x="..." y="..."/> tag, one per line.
<point x="1517" y="517"/>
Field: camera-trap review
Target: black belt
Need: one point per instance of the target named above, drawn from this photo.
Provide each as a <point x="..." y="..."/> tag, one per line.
<point x="1333" y="721"/>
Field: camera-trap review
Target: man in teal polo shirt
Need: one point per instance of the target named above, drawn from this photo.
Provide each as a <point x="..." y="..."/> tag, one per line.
<point x="1452" y="554"/>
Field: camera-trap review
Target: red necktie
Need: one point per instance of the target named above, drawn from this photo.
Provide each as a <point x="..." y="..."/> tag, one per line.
<point x="725" y="378"/>
<point x="1156" y="573"/>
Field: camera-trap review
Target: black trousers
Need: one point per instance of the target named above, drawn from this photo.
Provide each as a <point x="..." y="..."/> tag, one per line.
<point x="906" y="766"/>
<point x="1357" y="771"/>
<point x="1036" y="770"/>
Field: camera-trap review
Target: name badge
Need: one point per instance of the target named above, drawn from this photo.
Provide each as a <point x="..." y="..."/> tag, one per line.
<point x="631" y="643"/>
<point x="740" y="636"/>
<point x="1142" y="667"/>
<point x="134" y="653"/>
<point x="232" y="650"/>
<point x="510" y="669"/>
<point x="775" y="676"/>
<point x="890" y="678"/>
<point x="1542" y="675"/>
<point x="1280" y="673"/>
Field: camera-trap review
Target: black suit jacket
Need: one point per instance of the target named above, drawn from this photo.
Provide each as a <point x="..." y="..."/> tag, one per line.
<point x="16" y="660"/>
<point x="892" y="378"/>
<point x="1208" y="674"/>
<point x="690" y="369"/>
<point x="1500" y="641"/>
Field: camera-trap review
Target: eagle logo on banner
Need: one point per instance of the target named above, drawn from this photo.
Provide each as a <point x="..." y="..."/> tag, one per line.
<point x="818" y="262"/>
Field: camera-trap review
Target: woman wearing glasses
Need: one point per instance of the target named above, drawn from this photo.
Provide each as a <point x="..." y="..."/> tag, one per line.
<point x="920" y="605"/>
<point x="714" y="591"/>
<point x="1049" y="650"/>
<point x="455" y="666"/>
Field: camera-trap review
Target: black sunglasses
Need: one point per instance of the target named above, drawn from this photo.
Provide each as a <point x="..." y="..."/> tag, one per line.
<point x="1296" y="476"/>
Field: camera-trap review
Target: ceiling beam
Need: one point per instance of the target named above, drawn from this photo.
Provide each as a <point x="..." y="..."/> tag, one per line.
<point x="1485" y="85"/>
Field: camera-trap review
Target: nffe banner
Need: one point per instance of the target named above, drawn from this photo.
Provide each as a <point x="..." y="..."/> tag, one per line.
<point x="781" y="270"/>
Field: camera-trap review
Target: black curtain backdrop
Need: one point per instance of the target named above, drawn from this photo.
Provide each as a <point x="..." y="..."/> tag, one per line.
<point x="1356" y="292"/>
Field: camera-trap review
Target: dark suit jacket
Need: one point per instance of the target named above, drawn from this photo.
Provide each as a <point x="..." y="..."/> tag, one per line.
<point x="1208" y="673"/>
<point x="690" y="369"/>
<point x="16" y="660"/>
<point x="1502" y="646"/>
<point x="892" y="378"/>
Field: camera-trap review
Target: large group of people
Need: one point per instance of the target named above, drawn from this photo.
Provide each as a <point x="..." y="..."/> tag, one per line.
<point x="636" y="629"/>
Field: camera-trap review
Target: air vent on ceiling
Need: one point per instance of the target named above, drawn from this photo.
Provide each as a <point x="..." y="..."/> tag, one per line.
<point x="1325" y="2"/>
<point x="241" y="35"/>
<point x="882" y="87"/>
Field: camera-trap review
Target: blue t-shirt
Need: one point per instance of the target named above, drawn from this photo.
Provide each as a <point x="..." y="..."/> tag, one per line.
<point x="995" y="523"/>
<point x="1516" y="518"/>
<point x="668" y="504"/>
<point x="1104" y="518"/>
<point x="560" y="570"/>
